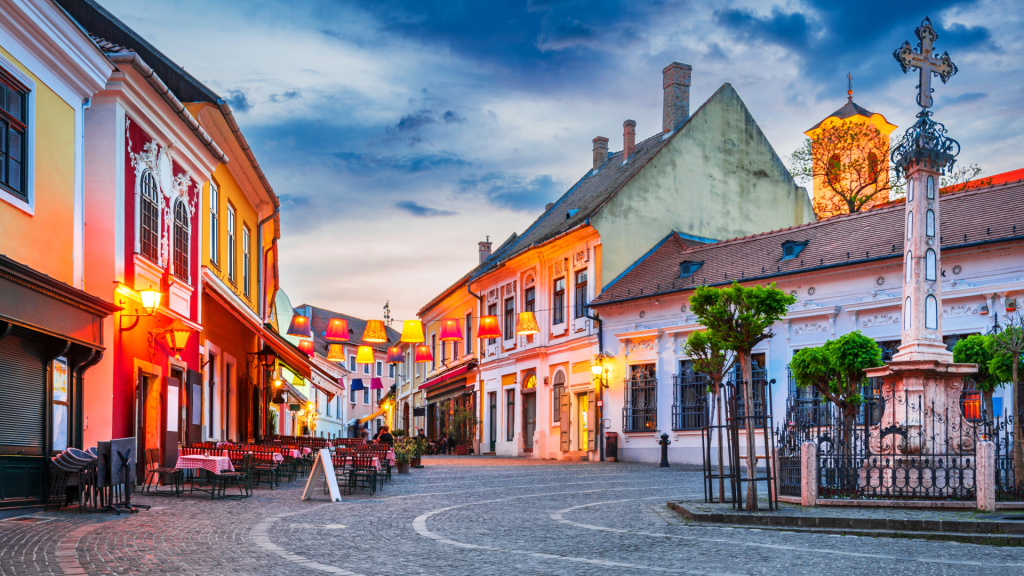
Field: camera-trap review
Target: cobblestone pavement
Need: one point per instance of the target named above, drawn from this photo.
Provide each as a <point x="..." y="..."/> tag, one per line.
<point x="466" y="516"/>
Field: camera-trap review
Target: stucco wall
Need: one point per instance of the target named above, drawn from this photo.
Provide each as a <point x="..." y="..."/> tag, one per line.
<point x="719" y="178"/>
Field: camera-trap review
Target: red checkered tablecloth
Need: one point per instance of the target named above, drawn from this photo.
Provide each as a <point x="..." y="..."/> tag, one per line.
<point x="215" y="464"/>
<point x="376" y="464"/>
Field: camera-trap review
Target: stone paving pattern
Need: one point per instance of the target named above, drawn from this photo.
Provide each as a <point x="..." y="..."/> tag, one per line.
<point x="466" y="516"/>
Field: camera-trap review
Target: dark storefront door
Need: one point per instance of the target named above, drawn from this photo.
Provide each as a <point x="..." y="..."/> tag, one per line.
<point x="23" y="405"/>
<point x="529" y="420"/>
<point x="493" y="432"/>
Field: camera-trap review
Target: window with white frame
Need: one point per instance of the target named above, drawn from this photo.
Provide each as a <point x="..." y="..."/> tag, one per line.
<point x="149" y="217"/>
<point x="380" y="368"/>
<point x="182" y="240"/>
<point x="214" y="224"/>
<point x="231" y="243"/>
<point x="245" y="260"/>
<point x="351" y="363"/>
<point x="13" y="135"/>
<point x="391" y="371"/>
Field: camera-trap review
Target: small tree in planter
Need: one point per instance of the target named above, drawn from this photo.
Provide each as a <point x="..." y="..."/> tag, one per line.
<point x="462" y="429"/>
<point x="711" y="358"/>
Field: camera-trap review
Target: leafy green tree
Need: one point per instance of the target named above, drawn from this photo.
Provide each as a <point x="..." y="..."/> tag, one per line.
<point x="739" y="317"/>
<point x="1006" y="365"/>
<point x="711" y="358"/>
<point x="836" y="371"/>
<point x="977" y="349"/>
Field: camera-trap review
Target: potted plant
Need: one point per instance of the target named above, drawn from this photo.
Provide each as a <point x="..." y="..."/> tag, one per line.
<point x="398" y="433"/>
<point x="462" y="429"/>
<point x="418" y="446"/>
<point x="403" y="455"/>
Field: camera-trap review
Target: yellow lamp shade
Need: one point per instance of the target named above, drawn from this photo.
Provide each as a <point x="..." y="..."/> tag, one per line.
<point x="527" y="324"/>
<point x="150" y="300"/>
<point x="596" y="369"/>
<point x="412" y="332"/>
<point x="177" y="339"/>
<point x="364" y="355"/>
<point x="335" y="353"/>
<point x="375" y="332"/>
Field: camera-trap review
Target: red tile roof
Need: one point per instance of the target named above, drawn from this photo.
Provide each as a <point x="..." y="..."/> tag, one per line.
<point x="976" y="216"/>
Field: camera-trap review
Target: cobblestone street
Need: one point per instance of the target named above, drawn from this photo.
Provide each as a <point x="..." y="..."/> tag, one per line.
<point x="465" y="516"/>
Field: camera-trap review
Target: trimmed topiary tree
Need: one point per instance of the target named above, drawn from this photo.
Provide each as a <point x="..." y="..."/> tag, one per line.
<point x="712" y="359"/>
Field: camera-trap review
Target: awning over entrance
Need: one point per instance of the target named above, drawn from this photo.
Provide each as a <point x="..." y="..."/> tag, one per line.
<point x="444" y="377"/>
<point x="372" y="416"/>
<point x="446" y="391"/>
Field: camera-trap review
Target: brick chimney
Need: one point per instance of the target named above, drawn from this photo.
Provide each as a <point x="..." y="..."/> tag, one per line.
<point x="485" y="249"/>
<point x="600" y="151"/>
<point x="628" y="139"/>
<point x="676" y="82"/>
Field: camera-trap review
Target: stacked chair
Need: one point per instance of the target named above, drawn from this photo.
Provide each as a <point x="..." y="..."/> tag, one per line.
<point x="73" y="468"/>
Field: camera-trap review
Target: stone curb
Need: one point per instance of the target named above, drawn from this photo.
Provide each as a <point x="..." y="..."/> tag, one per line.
<point x="890" y="525"/>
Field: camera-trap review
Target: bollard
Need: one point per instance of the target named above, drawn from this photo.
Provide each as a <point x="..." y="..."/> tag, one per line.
<point x="985" y="476"/>
<point x="664" y="450"/>
<point x="809" y="474"/>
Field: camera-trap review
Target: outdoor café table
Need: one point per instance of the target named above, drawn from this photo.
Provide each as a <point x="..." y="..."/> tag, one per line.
<point x="212" y="464"/>
<point x="306" y="450"/>
<point x="390" y="457"/>
<point x="293" y="452"/>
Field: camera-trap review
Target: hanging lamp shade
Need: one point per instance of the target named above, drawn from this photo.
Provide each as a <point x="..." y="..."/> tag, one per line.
<point x="177" y="338"/>
<point x="395" y="355"/>
<point x="337" y="331"/>
<point x="307" y="347"/>
<point x="423" y="354"/>
<point x="412" y="332"/>
<point x="450" y="330"/>
<point x="299" y="327"/>
<point x="335" y="353"/>
<point x="364" y="355"/>
<point x="488" y="327"/>
<point x="527" y="324"/>
<point x="375" y="332"/>
<point x="357" y="384"/>
<point x="341" y="383"/>
<point x="376" y="384"/>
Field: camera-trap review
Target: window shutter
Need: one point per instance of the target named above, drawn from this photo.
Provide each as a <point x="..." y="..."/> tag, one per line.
<point x="565" y="407"/>
<point x="591" y="420"/>
<point x="23" y="392"/>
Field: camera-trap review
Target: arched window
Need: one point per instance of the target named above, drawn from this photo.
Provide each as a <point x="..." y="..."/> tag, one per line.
<point x="931" y="313"/>
<point x="910" y="225"/>
<point x="929" y="223"/>
<point x="929" y="267"/>
<point x="906" y="314"/>
<point x="149" y="218"/>
<point x="910" y="190"/>
<point x="930" y="193"/>
<point x="181" y="240"/>
<point x="908" y="267"/>
<point x="873" y="166"/>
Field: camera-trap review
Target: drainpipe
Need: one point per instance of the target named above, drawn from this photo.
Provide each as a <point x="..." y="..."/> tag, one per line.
<point x="603" y="384"/>
<point x="260" y="264"/>
<point x="79" y="233"/>
<point x="479" y="378"/>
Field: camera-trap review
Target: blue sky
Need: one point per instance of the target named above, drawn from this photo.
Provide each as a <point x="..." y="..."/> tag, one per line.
<point x="399" y="133"/>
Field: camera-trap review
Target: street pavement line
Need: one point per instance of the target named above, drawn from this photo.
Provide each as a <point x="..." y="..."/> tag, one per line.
<point x="559" y="517"/>
<point x="262" y="539"/>
<point x="420" y="526"/>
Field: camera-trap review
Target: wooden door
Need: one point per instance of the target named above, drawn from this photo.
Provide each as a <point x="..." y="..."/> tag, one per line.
<point x="591" y="420"/>
<point x="529" y="420"/>
<point x="565" y="427"/>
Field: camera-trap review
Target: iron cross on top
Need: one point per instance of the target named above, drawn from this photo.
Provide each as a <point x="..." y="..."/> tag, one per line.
<point x="925" y="62"/>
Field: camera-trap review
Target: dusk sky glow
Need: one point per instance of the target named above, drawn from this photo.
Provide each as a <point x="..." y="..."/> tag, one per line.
<point x="399" y="134"/>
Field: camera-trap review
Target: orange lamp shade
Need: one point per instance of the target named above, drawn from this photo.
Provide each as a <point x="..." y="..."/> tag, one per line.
<point x="527" y="324"/>
<point x="299" y="327"/>
<point x="488" y="327"/>
<point x="337" y="331"/>
<point x="177" y="339"/>
<point x="307" y="347"/>
<point x="375" y="332"/>
<point x="395" y="355"/>
<point x="364" y="355"/>
<point x="335" y="353"/>
<point x="423" y="354"/>
<point x="450" y="330"/>
<point x="412" y="332"/>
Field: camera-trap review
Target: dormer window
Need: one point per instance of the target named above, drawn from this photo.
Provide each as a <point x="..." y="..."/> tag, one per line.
<point x="688" y="268"/>
<point x="571" y="213"/>
<point x="791" y="249"/>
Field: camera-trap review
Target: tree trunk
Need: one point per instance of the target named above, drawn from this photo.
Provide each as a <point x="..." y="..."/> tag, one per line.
<point x="748" y="410"/>
<point x="721" y="479"/>
<point x="989" y="413"/>
<point x="1018" y="437"/>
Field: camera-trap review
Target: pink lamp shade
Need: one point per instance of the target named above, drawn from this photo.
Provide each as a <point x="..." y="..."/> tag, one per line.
<point x="299" y="327"/>
<point x="450" y="330"/>
<point x="375" y="332"/>
<point x="307" y="347"/>
<point x="376" y="384"/>
<point x="341" y="383"/>
<point x="423" y="354"/>
<point x="337" y="331"/>
<point x="395" y="355"/>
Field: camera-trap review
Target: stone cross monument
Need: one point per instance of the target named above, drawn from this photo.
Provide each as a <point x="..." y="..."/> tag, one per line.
<point x="922" y="373"/>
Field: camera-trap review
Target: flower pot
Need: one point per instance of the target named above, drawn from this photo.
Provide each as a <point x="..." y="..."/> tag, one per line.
<point x="403" y="467"/>
<point x="461" y="449"/>
<point x="415" y="462"/>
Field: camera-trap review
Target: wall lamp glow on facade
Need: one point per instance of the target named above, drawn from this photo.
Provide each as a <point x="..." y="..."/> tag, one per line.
<point x="150" y="300"/>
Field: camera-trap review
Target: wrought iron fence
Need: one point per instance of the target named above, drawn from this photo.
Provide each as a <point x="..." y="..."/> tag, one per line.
<point x="640" y="410"/>
<point x="758" y="375"/>
<point x="1000" y="431"/>
<point x="690" y="400"/>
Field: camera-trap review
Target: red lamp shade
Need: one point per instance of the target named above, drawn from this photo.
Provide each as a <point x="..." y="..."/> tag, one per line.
<point x="307" y="347"/>
<point x="376" y="384"/>
<point x="395" y="355"/>
<point x="412" y="332"/>
<point x="299" y="327"/>
<point x="374" y="332"/>
<point x="450" y="330"/>
<point x="488" y="327"/>
<point x="337" y="331"/>
<point x="364" y="355"/>
<point x="423" y="354"/>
